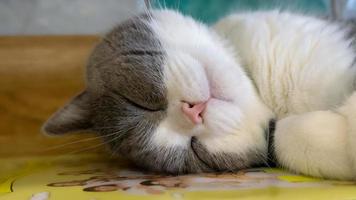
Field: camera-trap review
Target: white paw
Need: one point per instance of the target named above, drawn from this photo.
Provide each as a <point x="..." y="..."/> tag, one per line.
<point x="348" y="110"/>
<point x="314" y="144"/>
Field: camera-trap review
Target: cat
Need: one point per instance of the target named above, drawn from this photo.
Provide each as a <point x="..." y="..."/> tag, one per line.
<point x="257" y="88"/>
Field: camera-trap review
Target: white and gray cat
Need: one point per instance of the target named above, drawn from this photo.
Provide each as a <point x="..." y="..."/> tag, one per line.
<point x="176" y="96"/>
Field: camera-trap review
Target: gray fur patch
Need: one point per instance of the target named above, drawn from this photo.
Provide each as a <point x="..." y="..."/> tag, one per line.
<point x="129" y="62"/>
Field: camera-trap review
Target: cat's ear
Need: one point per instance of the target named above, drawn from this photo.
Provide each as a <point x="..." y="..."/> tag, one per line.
<point x="73" y="117"/>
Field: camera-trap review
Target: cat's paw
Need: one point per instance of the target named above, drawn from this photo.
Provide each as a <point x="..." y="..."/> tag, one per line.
<point x="348" y="110"/>
<point x="314" y="144"/>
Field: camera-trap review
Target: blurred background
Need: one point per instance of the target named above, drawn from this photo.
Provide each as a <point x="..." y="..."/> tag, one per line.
<point x="43" y="17"/>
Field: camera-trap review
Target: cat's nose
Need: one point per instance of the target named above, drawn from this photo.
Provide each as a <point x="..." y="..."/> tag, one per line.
<point x="194" y="110"/>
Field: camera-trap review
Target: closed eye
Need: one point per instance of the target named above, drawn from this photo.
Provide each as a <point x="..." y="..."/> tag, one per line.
<point x="128" y="100"/>
<point x="132" y="102"/>
<point x="142" y="52"/>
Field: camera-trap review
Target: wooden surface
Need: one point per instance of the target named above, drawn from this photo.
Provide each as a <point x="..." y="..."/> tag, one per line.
<point x="38" y="74"/>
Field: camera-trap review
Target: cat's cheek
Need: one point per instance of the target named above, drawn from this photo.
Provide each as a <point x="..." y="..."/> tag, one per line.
<point x="228" y="132"/>
<point x="314" y="144"/>
<point x="221" y="118"/>
<point x="239" y="143"/>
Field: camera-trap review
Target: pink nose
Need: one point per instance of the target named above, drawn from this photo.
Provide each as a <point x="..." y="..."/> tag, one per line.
<point x="193" y="111"/>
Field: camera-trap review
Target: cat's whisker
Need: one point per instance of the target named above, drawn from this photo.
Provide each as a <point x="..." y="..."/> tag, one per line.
<point x="86" y="149"/>
<point x="96" y="146"/>
<point x="107" y="127"/>
<point x="115" y="149"/>
<point x="78" y="141"/>
<point x="264" y="158"/>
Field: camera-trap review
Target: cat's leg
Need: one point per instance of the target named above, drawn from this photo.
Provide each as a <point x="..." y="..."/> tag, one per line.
<point x="320" y="143"/>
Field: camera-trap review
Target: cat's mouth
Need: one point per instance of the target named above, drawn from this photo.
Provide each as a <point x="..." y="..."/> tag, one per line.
<point x="216" y="162"/>
<point x="197" y="149"/>
<point x="232" y="162"/>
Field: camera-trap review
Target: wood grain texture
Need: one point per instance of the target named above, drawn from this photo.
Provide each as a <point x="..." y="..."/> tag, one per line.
<point x="38" y="74"/>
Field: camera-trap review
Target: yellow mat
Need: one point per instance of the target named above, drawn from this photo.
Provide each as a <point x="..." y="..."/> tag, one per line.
<point x="92" y="177"/>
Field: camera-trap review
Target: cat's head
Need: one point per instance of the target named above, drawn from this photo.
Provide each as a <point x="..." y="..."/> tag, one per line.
<point x="164" y="91"/>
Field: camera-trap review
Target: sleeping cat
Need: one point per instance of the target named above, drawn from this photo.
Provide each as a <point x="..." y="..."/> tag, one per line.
<point x="176" y="96"/>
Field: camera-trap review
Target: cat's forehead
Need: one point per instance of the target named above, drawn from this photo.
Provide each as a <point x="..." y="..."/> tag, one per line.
<point x="130" y="54"/>
<point x="134" y="34"/>
<point x="137" y="51"/>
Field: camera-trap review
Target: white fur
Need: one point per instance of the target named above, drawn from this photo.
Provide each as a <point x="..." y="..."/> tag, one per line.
<point x="348" y="110"/>
<point x="314" y="143"/>
<point x="298" y="63"/>
<point x="285" y="64"/>
<point x="301" y="64"/>
<point x="199" y="66"/>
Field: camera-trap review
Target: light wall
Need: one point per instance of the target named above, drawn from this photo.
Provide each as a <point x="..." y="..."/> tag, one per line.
<point x="34" y="17"/>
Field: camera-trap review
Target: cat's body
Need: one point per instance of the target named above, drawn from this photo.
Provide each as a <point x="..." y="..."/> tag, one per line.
<point x="297" y="63"/>
<point x="300" y="64"/>
<point x="175" y="96"/>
